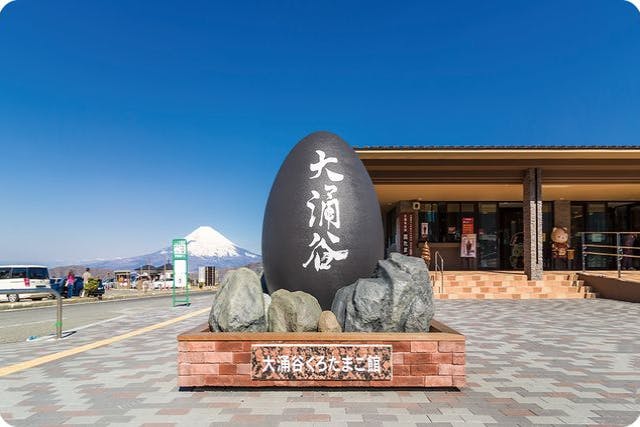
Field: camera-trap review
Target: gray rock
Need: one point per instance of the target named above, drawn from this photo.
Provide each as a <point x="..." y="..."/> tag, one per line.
<point x="267" y="302"/>
<point x="239" y="304"/>
<point x="293" y="312"/>
<point x="339" y="305"/>
<point x="366" y="312"/>
<point x="328" y="322"/>
<point x="399" y="299"/>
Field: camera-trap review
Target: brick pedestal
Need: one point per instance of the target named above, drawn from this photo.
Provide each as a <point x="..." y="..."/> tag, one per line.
<point x="433" y="359"/>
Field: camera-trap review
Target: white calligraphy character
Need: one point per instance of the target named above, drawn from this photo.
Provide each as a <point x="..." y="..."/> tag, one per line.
<point x="347" y="364"/>
<point x="329" y="208"/>
<point x="320" y="166"/>
<point x="284" y="365"/>
<point x="268" y="364"/>
<point x="297" y="364"/>
<point x="322" y="254"/>
<point x="333" y="366"/>
<point x="373" y="364"/>
<point x="321" y="366"/>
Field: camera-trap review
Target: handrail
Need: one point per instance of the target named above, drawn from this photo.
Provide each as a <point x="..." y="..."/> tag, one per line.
<point x="42" y="291"/>
<point x="439" y="266"/>
<point x="619" y="248"/>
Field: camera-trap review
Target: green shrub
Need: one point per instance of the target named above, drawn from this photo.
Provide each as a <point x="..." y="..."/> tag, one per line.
<point x="91" y="286"/>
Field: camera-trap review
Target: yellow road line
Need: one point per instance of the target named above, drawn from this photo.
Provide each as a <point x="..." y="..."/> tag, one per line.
<point x="12" y="369"/>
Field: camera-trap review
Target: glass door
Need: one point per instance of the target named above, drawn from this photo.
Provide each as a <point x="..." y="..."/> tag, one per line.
<point x="511" y="234"/>
<point x="488" y="235"/>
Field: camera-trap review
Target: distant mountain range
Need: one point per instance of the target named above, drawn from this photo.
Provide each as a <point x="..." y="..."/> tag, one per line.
<point x="206" y="246"/>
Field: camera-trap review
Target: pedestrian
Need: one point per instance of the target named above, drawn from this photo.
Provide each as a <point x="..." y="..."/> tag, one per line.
<point x="70" y="281"/>
<point x="85" y="280"/>
<point x="628" y="243"/>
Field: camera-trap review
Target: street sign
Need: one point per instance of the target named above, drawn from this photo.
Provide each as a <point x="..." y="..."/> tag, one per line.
<point x="180" y="271"/>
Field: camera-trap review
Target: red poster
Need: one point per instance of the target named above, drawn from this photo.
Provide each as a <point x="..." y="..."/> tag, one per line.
<point x="467" y="226"/>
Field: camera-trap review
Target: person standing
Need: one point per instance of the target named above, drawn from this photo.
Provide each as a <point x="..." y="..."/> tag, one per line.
<point x="70" y="281"/>
<point x="85" y="280"/>
<point x="628" y="243"/>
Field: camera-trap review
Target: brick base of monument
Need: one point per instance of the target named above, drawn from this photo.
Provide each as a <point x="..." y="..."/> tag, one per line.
<point x="228" y="359"/>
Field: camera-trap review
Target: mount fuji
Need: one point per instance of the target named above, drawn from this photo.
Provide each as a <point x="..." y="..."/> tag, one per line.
<point x="206" y="246"/>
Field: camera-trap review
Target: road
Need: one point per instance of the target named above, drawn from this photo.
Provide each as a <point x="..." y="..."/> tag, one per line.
<point x="18" y="325"/>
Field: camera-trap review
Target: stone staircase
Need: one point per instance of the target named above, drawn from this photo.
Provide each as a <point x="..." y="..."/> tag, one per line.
<point x="505" y="285"/>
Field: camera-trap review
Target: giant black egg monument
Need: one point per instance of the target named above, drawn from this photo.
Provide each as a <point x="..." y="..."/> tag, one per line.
<point x="322" y="226"/>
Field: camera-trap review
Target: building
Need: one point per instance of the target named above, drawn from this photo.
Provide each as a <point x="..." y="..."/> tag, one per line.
<point x="207" y="275"/>
<point x="494" y="208"/>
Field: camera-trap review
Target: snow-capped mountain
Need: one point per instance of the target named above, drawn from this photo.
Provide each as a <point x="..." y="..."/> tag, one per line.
<point x="206" y="247"/>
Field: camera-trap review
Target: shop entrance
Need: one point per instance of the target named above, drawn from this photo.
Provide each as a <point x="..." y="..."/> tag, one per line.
<point x="511" y="236"/>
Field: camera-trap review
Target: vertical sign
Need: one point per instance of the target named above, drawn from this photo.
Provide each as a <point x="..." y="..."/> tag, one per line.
<point x="467" y="225"/>
<point x="180" y="269"/>
<point x="406" y="233"/>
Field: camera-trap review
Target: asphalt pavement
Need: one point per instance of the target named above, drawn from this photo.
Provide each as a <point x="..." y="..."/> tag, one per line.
<point x="19" y="325"/>
<point x="543" y="362"/>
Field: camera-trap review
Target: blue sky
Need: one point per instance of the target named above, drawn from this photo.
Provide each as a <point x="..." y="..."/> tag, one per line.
<point x="124" y="124"/>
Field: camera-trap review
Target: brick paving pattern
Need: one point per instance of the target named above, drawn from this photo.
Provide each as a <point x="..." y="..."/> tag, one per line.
<point x="554" y="362"/>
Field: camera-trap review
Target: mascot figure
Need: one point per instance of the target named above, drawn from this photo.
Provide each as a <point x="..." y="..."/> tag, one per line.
<point x="559" y="245"/>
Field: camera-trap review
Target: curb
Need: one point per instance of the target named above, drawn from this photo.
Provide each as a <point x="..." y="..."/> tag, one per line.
<point x="90" y="300"/>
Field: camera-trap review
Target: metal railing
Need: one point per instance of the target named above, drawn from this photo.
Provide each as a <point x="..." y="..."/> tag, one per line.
<point x="618" y="247"/>
<point x="438" y="262"/>
<point x="41" y="291"/>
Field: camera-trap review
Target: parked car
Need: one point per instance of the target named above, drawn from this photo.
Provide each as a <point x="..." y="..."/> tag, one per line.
<point x="24" y="277"/>
<point x="109" y="283"/>
<point x="60" y="285"/>
<point x="57" y="284"/>
<point x="141" y="281"/>
<point x="162" y="284"/>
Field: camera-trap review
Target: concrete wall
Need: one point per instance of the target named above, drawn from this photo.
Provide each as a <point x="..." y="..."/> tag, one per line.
<point x="612" y="288"/>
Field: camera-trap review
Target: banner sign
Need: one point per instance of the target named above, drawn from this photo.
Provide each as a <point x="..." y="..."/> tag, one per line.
<point x="180" y="256"/>
<point x="319" y="362"/>
<point x="406" y="234"/>
<point x="467" y="226"/>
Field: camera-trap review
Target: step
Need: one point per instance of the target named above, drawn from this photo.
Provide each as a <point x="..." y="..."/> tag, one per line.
<point x="517" y="296"/>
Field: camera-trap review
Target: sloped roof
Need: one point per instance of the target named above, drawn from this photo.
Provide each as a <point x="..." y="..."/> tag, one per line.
<point x="495" y="147"/>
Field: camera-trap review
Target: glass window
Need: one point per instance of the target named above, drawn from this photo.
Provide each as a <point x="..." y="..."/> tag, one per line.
<point x="635" y="218"/>
<point x="18" y="273"/>
<point x="547" y="228"/>
<point x="5" y="272"/>
<point x="428" y="221"/>
<point x="453" y="222"/>
<point x="487" y="230"/>
<point x="38" y="273"/>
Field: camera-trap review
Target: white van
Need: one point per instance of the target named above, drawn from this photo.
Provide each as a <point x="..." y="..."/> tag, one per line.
<point x="23" y="277"/>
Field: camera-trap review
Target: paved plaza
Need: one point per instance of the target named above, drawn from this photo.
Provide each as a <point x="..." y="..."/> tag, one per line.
<point x="555" y="362"/>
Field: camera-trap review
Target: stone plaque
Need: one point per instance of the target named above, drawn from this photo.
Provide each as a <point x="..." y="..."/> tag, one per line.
<point x="317" y="362"/>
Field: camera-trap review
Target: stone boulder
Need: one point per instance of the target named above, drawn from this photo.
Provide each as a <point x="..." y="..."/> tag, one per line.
<point x="267" y="302"/>
<point x="328" y="322"/>
<point x="239" y="304"/>
<point x="398" y="299"/>
<point x="293" y="312"/>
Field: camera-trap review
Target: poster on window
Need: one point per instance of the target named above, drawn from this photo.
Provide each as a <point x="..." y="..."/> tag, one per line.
<point x="468" y="246"/>
<point x="467" y="226"/>
<point x="424" y="230"/>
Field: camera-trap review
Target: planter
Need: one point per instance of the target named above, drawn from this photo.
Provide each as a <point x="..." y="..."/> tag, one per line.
<point x="318" y="359"/>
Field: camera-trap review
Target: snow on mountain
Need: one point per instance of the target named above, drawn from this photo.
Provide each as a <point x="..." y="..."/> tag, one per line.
<point x="204" y="241"/>
<point x="206" y="246"/>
